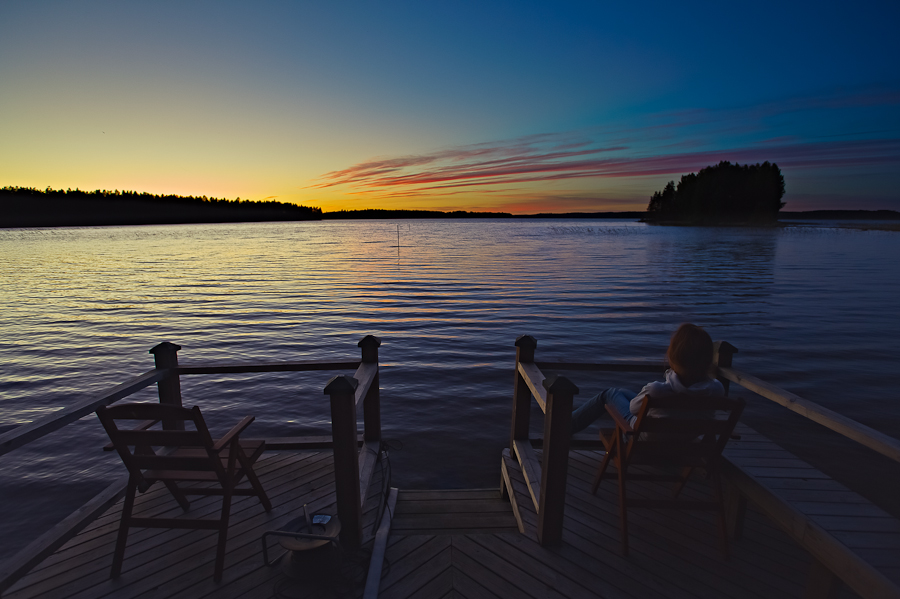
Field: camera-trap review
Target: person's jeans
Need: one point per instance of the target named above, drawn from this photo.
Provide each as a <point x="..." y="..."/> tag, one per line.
<point x="592" y="409"/>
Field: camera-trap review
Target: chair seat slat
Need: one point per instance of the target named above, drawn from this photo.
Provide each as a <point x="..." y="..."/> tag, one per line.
<point x="156" y="438"/>
<point x="694" y="427"/>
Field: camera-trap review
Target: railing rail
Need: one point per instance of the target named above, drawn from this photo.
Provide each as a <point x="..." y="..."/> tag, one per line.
<point x="26" y="433"/>
<point x="346" y="395"/>
<point x="241" y="368"/>
<point x="871" y="438"/>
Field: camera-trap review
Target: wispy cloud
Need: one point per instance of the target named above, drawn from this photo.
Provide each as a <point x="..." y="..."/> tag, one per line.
<point x="662" y="144"/>
<point x="518" y="162"/>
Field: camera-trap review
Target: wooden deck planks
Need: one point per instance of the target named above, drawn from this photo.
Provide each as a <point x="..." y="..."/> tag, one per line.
<point x="674" y="554"/>
<point x="680" y="542"/>
<point x="183" y="556"/>
<point x="819" y="506"/>
<point x="671" y="558"/>
<point x="179" y="563"/>
<point x="93" y="542"/>
<point x="92" y="567"/>
<point x="683" y="551"/>
<point x="464" y="511"/>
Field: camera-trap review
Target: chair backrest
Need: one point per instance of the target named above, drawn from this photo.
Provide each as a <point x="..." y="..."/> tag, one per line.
<point x="136" y="444"/>
<point x="683" y="429"/>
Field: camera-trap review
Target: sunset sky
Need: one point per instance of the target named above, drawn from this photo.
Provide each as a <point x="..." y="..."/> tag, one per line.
<point x="501" y="106"/>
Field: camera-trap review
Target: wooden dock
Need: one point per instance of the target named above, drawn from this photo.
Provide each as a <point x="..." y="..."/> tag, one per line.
<point x="540" y="533"/>
<point x="448" y="543"/>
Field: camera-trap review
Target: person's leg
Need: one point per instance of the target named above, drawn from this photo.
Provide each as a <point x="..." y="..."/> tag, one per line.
<point x="592" y="409"/>
<point x="588" y="412"/>
<point x="620" y="399"/>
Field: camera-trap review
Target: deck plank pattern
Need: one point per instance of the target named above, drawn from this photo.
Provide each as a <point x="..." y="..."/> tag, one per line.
<point x="864" y="528"/>
<point x="480" y="555"/>
<point x="179" y="563"/>
<point x="674" y="553"/>
<point x="452" y="511"/>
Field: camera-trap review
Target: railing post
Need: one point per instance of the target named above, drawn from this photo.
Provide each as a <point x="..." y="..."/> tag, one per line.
<point x="346" y="457"/>
<point x="555" y="463"/>
<point x="372" y="402"/>
<point x="521" y="408"/>
<point x="166" y="357"/>
<point x="722" y="354"/>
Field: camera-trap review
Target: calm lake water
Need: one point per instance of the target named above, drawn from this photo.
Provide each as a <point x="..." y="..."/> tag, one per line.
<point x="811" y="308"/>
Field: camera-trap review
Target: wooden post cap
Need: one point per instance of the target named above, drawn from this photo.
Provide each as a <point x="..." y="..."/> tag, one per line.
<point x="526" y="341"/>
<point x="722" y="352"/>
<point x="369" y="341"/>
<point x="164" y="348"/>
<point x="341" y="383"/>
<point x="369" y="345"/>
<point x="725" y="347"/>
<point x="559" y="385"/>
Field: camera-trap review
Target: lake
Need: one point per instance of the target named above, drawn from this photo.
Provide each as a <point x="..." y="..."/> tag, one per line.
<point x="812" y="308"/>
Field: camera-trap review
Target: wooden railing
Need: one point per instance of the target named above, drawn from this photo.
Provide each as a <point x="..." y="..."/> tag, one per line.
<point x="546" y="480"/>
<point x="877" y="441"/>
<point x="353" y="467"/>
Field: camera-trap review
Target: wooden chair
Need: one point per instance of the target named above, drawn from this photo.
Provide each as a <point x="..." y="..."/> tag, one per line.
<point x="677" y="432"/>
<point x="185" y="456"/>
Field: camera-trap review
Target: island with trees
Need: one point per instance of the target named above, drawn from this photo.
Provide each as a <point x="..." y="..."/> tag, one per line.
<point x="722" y="194"/>
<point x="30" y="207"/>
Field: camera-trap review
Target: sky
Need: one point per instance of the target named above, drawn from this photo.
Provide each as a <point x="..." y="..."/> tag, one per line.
<point x="519" y="107"/>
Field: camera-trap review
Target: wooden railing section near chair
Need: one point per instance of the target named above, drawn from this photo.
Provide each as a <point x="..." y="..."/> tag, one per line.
<point x="353" y="466"/>
<point x="546" y="481"/>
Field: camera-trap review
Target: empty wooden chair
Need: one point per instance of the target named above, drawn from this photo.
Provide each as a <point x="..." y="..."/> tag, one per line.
<point x="680" y="432"/>
<point x="174" y="457"/>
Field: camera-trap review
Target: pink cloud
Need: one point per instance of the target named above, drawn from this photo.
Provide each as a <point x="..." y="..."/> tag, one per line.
<point x="528" y="161"/>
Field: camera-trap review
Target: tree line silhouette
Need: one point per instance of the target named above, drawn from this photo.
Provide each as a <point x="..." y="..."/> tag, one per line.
<point x="725" y="192"/>
<point x="31" y="207"/>
<point x="122" y="196"/>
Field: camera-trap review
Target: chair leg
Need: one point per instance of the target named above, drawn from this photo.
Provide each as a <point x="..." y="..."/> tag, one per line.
<point x="601" y="470"/>
<point x="623" y="509"/>
<point x="254" y="480"/>
<point x="723" y="522"/>
<point x="223" y="534"/>
<point x="685" y="475"/>
<point x="122" y="538"/>
<point x="178" y="495"/>
<point x="735" y="511"/>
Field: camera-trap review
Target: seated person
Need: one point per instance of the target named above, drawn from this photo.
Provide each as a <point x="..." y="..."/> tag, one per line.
<point x="690" y="357"/>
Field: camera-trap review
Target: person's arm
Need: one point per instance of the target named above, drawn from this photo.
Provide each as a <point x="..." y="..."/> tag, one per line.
<point x="635" y="406"/>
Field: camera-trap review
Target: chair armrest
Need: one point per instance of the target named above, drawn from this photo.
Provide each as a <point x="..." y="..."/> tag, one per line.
<point x="234" y="432"/>
<point x="619" y="419"/>
<point x="141" y="427"/>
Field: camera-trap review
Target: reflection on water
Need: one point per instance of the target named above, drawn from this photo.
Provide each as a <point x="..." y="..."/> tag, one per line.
<point x="81" y="307"/>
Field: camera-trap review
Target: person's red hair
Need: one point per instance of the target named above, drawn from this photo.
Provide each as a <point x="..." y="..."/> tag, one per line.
<point x="690" y="353"/>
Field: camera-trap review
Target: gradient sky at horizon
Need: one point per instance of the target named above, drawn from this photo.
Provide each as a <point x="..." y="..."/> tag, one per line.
<point x="510" y="106"/>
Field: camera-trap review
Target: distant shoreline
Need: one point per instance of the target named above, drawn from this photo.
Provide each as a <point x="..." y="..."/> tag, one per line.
<point x="25" y="211"/>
